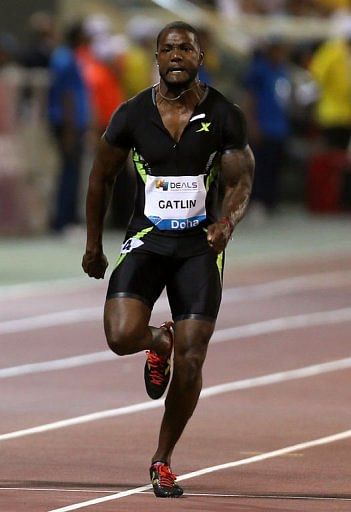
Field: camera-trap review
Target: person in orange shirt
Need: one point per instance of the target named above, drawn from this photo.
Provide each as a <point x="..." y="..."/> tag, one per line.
<point x="101" y="76"/>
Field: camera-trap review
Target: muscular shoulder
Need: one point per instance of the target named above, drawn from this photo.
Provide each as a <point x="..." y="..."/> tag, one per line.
<point x="119" y="131"/>
<point x="219" y="101"/>
<point x="137" y="105"/>
<point x="232" y="119"/>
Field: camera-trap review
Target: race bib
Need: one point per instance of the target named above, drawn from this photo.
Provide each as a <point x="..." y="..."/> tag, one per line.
<point x="130" y="244"/>
<point x="175" y="202"/>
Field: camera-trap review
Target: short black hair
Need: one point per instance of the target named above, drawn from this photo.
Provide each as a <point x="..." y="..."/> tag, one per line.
<point x="181" y="25"/>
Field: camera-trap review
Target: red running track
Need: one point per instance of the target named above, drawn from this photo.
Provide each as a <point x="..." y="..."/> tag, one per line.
<point x="275" y="410"/>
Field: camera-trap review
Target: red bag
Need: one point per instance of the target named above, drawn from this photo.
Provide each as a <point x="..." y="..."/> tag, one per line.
<point x="325" y="181"/>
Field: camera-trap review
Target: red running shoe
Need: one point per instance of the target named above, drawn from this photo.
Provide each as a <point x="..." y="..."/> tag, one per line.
<point x="164" y="481"/>
<point x="157" y="369"/>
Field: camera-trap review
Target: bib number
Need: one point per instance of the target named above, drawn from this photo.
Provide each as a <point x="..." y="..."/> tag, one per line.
<point x="130" y="244"/>
<point x="175" y="202"/>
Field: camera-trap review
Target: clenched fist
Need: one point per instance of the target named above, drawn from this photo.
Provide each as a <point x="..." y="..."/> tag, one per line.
<point x="95" y="264"/>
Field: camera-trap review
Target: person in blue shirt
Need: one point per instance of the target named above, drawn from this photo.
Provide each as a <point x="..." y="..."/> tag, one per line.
<point x="69" y="117"/>
<point x="268" y="91"/>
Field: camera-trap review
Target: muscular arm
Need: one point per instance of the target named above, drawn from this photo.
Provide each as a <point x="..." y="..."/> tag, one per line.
<point x="109" y="161"/>
<point x="237" y="167"/>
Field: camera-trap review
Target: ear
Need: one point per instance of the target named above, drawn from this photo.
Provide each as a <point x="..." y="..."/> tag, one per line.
<point x="202" y="55"/>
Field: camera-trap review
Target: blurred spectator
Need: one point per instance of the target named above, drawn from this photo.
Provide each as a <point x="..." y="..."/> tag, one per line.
<point x="35" y="56"/>
<point x="304" y="89"/>
<point x="211" y="63"/>
<point x="231" y="8"/>
<point x="8" y="82"/>
<point x="328" y="6"/>
<point x="139" y="68"/>
<point x="268" y="91"/>
<point x="69" y="115"/>
<point x="102" y="62"/>
<point x="41" y="41"/>
<point x="99" y="64"/>
<point x="330" y="67"/>
<point x="8" y="49"/>
<point x="104" y="84"/>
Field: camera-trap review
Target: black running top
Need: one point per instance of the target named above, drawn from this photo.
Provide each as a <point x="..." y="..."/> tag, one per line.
<point x="167" y="196"/>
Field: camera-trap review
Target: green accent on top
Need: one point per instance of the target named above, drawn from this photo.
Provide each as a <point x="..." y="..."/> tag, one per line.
<point x="138" y="162"/>
<point x="212" y="176"/>
<point x="139" y="235"/>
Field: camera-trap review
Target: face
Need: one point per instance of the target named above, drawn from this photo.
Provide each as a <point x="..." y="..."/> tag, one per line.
<point x="178" y="57"/>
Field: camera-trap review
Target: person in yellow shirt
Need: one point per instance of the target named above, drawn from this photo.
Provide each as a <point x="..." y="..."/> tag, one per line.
<point x="333" y="5"/>
<point x="331" y="68"/>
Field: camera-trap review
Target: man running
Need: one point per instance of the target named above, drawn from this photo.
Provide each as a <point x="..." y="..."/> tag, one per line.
<point x="184" y="136"/>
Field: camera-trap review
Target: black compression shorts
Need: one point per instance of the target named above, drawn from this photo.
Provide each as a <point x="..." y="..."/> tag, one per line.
<point x="189" y="269"/>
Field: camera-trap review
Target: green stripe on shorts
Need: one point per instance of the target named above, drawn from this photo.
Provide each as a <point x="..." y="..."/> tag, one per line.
<point x="138" y="236"/>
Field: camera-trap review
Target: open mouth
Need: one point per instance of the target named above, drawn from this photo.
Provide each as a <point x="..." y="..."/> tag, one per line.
<point x="176" y="70"/>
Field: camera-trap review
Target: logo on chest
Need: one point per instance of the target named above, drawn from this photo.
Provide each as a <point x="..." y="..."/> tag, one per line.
<point x="205" y="127"/>
<point x="162" y="184"/>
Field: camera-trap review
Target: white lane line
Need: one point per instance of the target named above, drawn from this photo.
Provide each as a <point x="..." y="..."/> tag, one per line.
<point x="54" y="287"/>
<point x="39" y="288"/>
<point x="86" y="418"/>
<point x="195" y="494"/>
<point x="222" y="335"/>
<point x="265" y="496"/>
<point x="67" y="317"/>
<point x="288" y="285"/>
<point x="284" y="323"/>
<point x="55" y="489"/>
<point x="229" y="465"/>
<point x="264" y="380"/>
<point x="59" y="364"/>
<point x="269" y="289"/>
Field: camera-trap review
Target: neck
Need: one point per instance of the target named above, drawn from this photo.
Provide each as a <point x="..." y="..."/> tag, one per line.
<point x="177" y="93"/>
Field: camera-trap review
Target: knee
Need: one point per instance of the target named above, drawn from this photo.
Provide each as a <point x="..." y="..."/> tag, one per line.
<point x="120" y="339"/>
<point x="117" y="343"/>
<point x="188" y="366"/>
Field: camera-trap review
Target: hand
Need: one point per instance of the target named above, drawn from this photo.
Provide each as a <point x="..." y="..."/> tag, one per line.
<point x="218" y="235"/>
<point x="95" y="264"/>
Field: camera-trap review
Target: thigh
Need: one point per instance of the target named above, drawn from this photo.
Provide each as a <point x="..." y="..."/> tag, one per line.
<point x="125" y="317"/>
<point x="195" y="287"/>
<point x="138" y="275"/>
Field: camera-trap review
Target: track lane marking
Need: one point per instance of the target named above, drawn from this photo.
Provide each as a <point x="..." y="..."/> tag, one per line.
<point x="57" y="318"/>
<point x="206" y="494"/>
<point x="268" y="496"/>
<point x="264" y="380"/>
<point x="262" y="290"/>
<point x="39" y="288"/>
<point x="23" y="290"/>
<point x="219" y="336"/>
<point x="55" y="489"/>
<point x="60" y="364"/>
<point x="211" y="469"/>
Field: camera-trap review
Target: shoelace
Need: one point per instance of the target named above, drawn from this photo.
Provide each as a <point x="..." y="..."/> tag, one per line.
<point x="157" y="364"/>
<point x="167" y="478"/>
